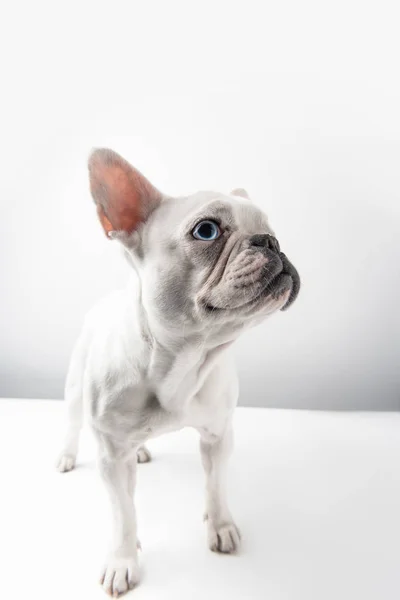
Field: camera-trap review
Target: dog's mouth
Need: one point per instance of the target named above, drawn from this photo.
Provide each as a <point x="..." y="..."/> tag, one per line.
<point x="279" y="292"/>
<point x="290" y="271"/>
<point x="280" y="289"/>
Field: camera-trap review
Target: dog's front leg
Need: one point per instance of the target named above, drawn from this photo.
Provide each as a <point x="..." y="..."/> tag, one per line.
<point x="119" y="475"/>
<point x="223" y="534"/>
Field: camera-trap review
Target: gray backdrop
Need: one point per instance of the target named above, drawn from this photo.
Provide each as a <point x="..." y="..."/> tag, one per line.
<point x="313" y="135"/>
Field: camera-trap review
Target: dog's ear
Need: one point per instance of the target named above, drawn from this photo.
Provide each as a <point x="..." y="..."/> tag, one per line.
<point x="240" y="192"/>
<point x="123" y="196"/>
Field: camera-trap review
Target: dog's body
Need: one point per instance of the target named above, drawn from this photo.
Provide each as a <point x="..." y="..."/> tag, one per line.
<point x="156" y="357"/>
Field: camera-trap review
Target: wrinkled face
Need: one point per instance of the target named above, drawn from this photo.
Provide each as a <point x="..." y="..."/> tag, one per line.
<point x="213" y="259"/>
<point x="207" y="263"/>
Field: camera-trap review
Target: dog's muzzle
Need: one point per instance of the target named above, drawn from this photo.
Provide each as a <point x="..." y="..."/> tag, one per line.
<point x="287" y="276"/>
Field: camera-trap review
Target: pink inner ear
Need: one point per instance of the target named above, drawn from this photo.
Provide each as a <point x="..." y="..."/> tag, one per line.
<point x="123" y="206"/>
<point x="123" y="196"/>
<point x="106" y="223"/>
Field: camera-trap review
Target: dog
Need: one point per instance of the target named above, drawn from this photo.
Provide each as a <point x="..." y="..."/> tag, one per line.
<point x="156" y="357"/>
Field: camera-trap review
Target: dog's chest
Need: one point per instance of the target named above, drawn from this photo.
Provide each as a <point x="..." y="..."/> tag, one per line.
<point x="134" y="411"/>
<point x="138" y="410"/>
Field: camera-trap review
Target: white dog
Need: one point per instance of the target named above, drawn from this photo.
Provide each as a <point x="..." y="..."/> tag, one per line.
<point x="156" y="357"/>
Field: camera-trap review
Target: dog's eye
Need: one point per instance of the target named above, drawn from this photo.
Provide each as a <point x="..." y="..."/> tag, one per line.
<point x="206" y="231"/>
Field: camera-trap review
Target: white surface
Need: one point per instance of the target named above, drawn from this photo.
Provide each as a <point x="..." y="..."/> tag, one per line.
<point x="317" y="497"/>
<point x="296" y="101"/>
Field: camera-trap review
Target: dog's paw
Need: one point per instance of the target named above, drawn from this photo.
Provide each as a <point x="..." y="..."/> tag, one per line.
<point x="223" y="537"/>
<point x="120" y="575"/>
<point x="143" y="455"/>
<point x="66" y="462"/>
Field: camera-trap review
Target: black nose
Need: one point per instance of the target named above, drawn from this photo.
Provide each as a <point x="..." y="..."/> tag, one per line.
<point x="265" y="241"/>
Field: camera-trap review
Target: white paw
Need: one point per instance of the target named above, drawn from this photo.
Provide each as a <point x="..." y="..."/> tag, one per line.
<point x="223" y="537"/>
<point x="66" y="462"/>
<point x="120" y="575"/>
<point x="143" y="455"/>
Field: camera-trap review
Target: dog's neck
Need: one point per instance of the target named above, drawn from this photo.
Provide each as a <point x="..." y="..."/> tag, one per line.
<point x="178" y="362"/>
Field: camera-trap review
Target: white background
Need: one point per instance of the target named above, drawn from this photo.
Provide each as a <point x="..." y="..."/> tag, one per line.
<point x="299" y="102"/>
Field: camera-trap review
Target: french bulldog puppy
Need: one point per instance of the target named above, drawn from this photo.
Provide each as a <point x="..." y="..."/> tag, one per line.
<point x="156" y="357"/>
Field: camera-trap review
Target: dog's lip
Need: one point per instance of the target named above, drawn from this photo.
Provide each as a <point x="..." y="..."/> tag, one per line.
<point x="290" y="270"/>
<point x="210" y="308"/>
<point x="269" y="291"/>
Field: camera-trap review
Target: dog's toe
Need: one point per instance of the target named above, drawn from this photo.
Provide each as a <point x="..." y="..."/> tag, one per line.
<point x="223" y="538"/>
<point x="119" y="576"/>
<point x="143" y="455"/>
<point x="65" y="463"/>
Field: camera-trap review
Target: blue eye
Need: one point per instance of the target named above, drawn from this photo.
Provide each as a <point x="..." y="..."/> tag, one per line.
<point x="206" y="231"/>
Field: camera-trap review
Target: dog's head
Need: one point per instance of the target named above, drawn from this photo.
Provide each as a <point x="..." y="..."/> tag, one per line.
<point x="205" y="262"/>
